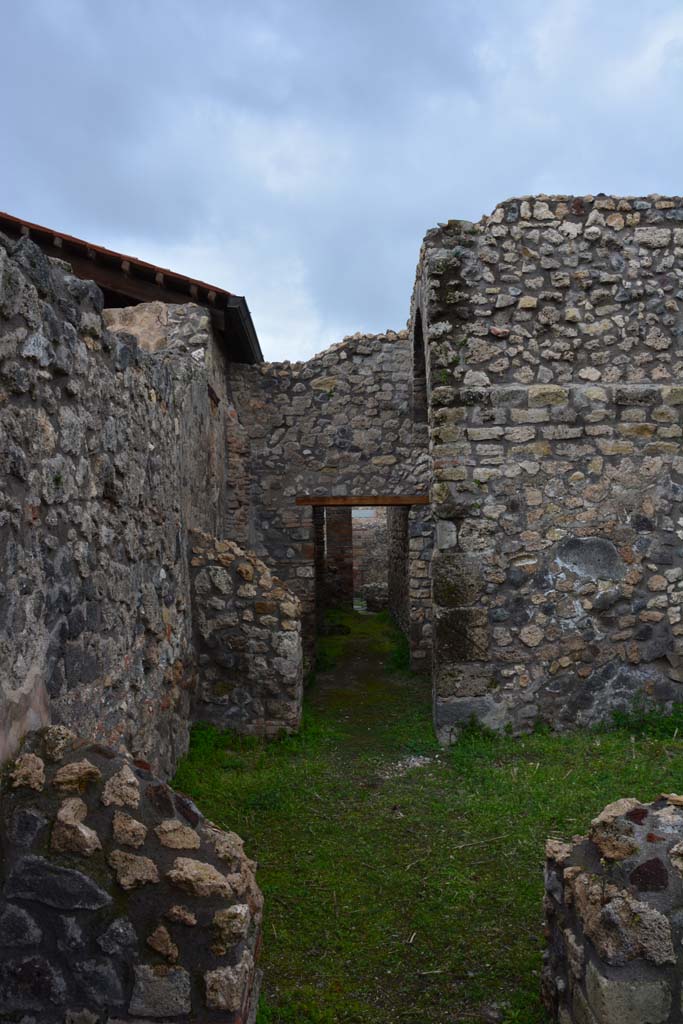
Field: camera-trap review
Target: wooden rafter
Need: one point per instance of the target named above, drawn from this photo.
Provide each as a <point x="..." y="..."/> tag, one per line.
<point x="364" y="499"/>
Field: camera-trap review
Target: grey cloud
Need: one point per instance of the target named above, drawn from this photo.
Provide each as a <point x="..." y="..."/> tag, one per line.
<point x="297" y="151"/>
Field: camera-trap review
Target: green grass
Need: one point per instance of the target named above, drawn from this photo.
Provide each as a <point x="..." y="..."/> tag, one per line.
<point x="413" y="898"/>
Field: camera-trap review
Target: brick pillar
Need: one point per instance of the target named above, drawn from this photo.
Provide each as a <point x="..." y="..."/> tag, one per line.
<point x="399" y="577"/>
<point x="339" y="558"/>
<point x="319" y="559"/>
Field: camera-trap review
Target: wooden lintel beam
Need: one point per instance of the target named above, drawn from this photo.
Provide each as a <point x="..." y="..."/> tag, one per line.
<point x="365" y="500"/>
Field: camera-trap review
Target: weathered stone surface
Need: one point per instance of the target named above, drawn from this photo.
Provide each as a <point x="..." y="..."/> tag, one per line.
<point x="35" y="878"/>
<point x="76" y="776"/>
<point x="28" y="770"/>
<point x="161" y="992"/>
<point x="593" y="557"/>
<point x="122" y="789"/>
<point x="87" y="945"/>
<point x="624" y="1001"/>
<point x="181" y="915"/>
<point x="258" y="692"/>
<point x="621" y="927"/>
<point x="120" y="939"/>
<point x="612" y="922"/>
<point x="230" y="925"/>
<point x="57" y="741"/>
<point x="100" y="984"/>
<point x="30" y="983"/>
<point x="611" y="833"/>
<point x="69" y="834"/>
<point x="174" y="834"/>
<point x="226" y="987"/>
<point x="127" y="830"/>
<point x="553" y="413"/>
<point x="120" y="438"/>
<point x="18" y="928"/>
<point x="227" y="845"/>
<point x="132" y="870"/>
<point x="146" y="322"/>
<point x="160" y="941"/>
<point x="199" y="878"/>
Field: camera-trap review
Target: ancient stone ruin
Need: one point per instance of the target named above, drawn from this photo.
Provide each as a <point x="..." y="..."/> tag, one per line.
<point x="614" y="913"/>
<point x="551" y="333"/>
<point x="176" y="516"/>
<point x="118" y="897"/>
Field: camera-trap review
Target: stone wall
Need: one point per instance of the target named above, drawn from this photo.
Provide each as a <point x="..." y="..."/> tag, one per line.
<point x="553" y="358"/>
<point x="340" y="424"/>
<point x="338" y="574"/>
<point x="119" y="901"/>
<point x="398" y="581"/>
<point x="370" y="549"/>
<point x="248" y="641"/>
<point x="614" y="918"/>
<point x="108" y="455"/>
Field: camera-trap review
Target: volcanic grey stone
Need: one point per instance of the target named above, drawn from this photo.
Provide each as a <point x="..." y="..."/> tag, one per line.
<point x="119" y="939"/>
<point x="35" y="878"/>
<point x="160" y="991"/>
<point x="25" y="826"/>
<point x="593" y="557"/>
<point x="69" y="934"/>
<point x="30" y="984"/>
<point x="100" y="984"/>
<point x="17" y="928"/>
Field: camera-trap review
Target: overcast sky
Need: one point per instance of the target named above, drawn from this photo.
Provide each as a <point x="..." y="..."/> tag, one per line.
<point x="296" y="151"/>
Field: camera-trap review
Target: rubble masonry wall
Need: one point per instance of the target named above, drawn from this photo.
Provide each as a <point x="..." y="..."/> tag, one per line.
<point x="554" y="359"/>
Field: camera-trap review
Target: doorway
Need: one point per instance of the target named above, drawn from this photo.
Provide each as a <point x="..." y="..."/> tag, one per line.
<point x="371" y="552"/>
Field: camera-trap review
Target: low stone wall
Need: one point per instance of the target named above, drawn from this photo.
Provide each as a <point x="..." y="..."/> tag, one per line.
<point x="248" y="641"/>
<point x="120" y="902"/>
<point x="614" y="914"/>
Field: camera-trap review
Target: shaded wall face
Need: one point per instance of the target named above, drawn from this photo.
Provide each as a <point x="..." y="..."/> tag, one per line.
<point x="340" y="424"/>
<point x="370" y="548"/>
<point x="107" y="455"/>
<point x="338" y="582"/>
<point x="247" y="639"/>
<point x="398" y="579"/>
<point x="553" y="333"/>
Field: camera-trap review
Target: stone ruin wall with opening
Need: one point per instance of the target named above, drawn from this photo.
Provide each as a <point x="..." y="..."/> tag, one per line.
<point x="339" y="424"/>
<point x="147" y="493"/>
<point x="554" y="357"/>
<point x="109" y="456"/>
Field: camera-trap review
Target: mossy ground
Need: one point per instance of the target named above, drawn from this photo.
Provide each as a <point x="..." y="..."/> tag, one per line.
<point x="409" y="898"/>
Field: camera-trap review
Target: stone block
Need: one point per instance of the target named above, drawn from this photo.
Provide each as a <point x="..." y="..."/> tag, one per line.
<point x="627" y="1000"/>
<point x="464" y="680"/>
<point x="460" y="634"/>
<point x="456" y="578"/>
<point x="452" y="713"/>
